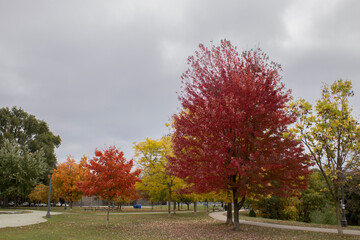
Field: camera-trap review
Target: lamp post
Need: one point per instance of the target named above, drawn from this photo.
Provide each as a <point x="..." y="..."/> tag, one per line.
<point x="343" y="220"/>
<point x="49" y="199"/>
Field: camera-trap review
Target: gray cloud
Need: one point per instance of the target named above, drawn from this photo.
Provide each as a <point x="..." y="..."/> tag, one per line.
<point x="106" y="72"/>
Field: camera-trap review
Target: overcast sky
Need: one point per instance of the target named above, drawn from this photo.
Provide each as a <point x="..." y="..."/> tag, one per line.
<point x="104" y="73"/>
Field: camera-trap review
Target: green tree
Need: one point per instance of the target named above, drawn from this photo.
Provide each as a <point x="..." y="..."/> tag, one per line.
<point x="20" y="170"/>
<point x="315" y="198"/>
<point x="331" y="135"/>
<point x="352" y="196"/>
<point x="30" y="133"/>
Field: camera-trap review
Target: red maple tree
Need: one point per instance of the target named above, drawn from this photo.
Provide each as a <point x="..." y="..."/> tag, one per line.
<point x="110" y="176"/>
<point x="232" y="132"/>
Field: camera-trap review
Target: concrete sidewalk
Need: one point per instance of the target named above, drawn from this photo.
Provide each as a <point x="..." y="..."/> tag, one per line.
<point x="222" y="217"/>
<point x="23" y="219"/>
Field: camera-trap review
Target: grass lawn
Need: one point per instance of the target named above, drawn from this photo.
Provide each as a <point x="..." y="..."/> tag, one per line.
<point x="91" y="225"/>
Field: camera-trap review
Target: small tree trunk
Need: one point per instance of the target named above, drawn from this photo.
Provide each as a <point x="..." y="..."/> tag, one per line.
<point x="169" y="201"/>
<point x="188" y="206"/>
<point x="174" y="207"/>
<point x="207" y="206"/>
<point x="108" y="213"/>
<point x="178" y="206"/>
<point x="195" y="208"/>
<point x="65" y="207"/>
<point x="229" y="218"/>
<point x="71" y="205"/>
<point x="152" y="206"/>
<point x="338" y="218"/>
<point x="6" y="202"/>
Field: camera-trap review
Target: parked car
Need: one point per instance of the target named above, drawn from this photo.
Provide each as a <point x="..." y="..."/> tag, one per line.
<point x="58" y="204"/>
<point x="26" y="204"/>
<point x="11" y="203"/>
<point x="40" y="205"/>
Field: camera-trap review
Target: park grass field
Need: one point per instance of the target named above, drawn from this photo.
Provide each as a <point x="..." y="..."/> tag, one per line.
<point x="91" y="225"/>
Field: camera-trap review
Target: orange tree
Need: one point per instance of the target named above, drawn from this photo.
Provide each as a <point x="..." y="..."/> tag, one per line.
<point x="66" y="177"/>
<point x="41" y="193"/>
<point x="110" y="175"/>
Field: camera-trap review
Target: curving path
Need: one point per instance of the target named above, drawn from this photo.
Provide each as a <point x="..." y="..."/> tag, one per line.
<point x="220" y="216"/>
<point x="23" y="219"/>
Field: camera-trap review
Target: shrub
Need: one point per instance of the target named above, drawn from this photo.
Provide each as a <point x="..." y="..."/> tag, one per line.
<point x="326" y="216"/>
<point x="252" y="213"/>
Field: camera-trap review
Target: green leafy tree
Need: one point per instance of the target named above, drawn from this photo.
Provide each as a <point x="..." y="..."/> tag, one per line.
<point x="20" y="170"/>
<point x="315" y="198"/>
<point x="30" y="133"/>
<point x="331" y="134"/>
<point x="352" y="196"/>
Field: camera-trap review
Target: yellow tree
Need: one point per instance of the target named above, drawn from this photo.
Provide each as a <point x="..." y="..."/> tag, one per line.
<point x="332" y="136"/>
<point x="66" y="177"/>
<point x="41" y="193"/>
<point x="152" y="156"/>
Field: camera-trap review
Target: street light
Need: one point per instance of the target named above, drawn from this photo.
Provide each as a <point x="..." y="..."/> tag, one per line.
<point x="343" y="220"/>
<point x="49" y="199"/>
<point x="342" y="201"/>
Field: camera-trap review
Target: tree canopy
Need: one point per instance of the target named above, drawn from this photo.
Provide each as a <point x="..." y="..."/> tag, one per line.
<point x="29" y="132"/>
<point x="157" y="182"/>
<point x="232" y="131"/>
<point x="65" y="179"/>
<point x="20" y="170"/>
<point x="332" y="136"/>
<point x="110" y="176"/>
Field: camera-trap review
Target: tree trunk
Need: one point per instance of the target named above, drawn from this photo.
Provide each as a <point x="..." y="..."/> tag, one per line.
<point x="338" y="217"/>
<point x="6" y="202"/>
<point x="152" y="206"/>
<point x="174" y="207"/>
<point x="207" y="206"/>
<point x="195" y="208"/>
<point x="108" y="212"/>
<point x="65" y="207"/>
<point x="178" y="206"/>
<point x="188" y="206"/>
<point x="169" y="201"/>
<point x="229" y="219"/>
<point x="236" y="209"/>
<point x="71" y="204"/>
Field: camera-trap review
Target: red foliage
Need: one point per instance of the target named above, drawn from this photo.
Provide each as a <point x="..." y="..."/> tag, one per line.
<point x="110" y="175"/>
<point x="230" y="132"/>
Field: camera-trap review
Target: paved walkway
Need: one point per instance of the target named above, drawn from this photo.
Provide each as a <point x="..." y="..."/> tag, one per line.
<point x="222" y="217"/>
<point x="23" y="219"/>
